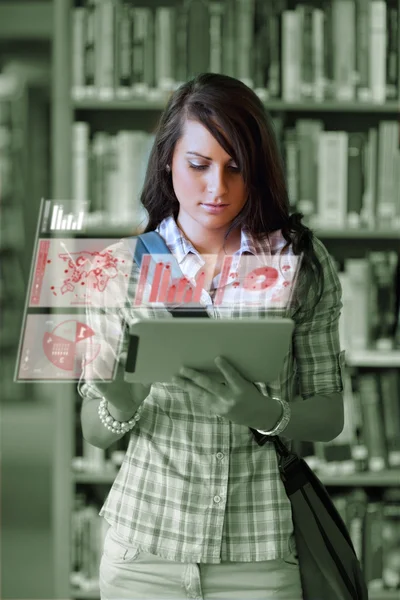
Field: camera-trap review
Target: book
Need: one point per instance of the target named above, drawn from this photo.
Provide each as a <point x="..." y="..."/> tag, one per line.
<point x="382" y="266"/>
<point x="244" y="39"/>
<point x="164" y="48"/>
<point x="372" y="546"/>
<point x="217" y="10"/>
<point x="344" y="58"/>
<point x="79" y="14"/>
<point x="388" y="144"/>
<point x="389" y="389"/>
<point x="373" y="421"/>
<point x="377" y="54"/>
<point x="332" y="179"/>
<point x="392" y="50"/>
<point x="198" y="51"/>
<point x="290" y="51"/>
<point x="356" y="175"/>
<point x="362" y="37"/>
<point x="391" y="539"/>
<point x="358" y="302"/>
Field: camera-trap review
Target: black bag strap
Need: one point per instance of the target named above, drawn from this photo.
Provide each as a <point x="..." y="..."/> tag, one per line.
<point x="152" y="243"/>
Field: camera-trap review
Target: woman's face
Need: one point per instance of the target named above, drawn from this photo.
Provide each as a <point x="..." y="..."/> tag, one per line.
<point x="203" y="173"/>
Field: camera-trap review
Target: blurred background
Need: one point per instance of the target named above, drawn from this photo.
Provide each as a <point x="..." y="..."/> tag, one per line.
<point x="82" y="86"/>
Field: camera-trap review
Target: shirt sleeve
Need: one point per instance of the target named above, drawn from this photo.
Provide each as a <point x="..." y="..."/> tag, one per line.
<point x="318" y="356"/>
<point x="106" y="310"/>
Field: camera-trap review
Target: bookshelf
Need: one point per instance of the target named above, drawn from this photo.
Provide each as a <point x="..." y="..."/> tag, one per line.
<point x="140" y="111"/>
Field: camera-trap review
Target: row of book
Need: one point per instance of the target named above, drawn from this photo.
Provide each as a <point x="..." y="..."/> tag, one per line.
<point x="370" y="296"/>
<point x="344" y="178"/>
<point x="336" y="178"/>
<point x="374" y="528"/>
<point x="373" y="525"/>
<point x="109" y="171"/>
<point x="12" y="285"/>
<point x="370" y="440"/>
<point x="343" y="50"/>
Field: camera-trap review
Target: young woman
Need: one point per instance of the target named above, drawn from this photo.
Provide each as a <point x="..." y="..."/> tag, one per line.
<point x="198" y="509"/>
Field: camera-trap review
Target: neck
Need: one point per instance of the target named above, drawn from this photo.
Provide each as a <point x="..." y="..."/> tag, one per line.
<point x="210" y="241"/>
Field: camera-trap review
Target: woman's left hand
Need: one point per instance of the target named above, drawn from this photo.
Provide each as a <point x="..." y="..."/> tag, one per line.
<point x="237" y="399"/>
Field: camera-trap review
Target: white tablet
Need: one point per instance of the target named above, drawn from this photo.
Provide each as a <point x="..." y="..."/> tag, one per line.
<point x="158" y="348"/>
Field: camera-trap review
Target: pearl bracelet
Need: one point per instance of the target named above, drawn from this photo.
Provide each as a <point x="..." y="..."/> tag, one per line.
<point x="117" y="426"/>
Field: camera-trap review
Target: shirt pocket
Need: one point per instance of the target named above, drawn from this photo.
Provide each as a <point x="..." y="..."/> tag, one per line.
<point x="118" y="550"/>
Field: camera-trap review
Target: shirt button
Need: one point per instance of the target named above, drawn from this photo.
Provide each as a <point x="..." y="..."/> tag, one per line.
<point x="220" y="455"/>
<point x="217" y="499"/>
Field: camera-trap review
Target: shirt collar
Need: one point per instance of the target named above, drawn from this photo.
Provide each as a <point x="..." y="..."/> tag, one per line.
<point x="180" y="246"/>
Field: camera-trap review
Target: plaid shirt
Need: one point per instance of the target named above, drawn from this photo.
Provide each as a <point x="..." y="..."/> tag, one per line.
<point x="193" y="486"/>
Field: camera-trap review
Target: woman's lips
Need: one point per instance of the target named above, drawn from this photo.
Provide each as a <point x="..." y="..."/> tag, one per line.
<point x="214" y="208"/>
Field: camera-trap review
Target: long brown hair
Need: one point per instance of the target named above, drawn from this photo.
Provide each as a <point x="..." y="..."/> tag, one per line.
<point x="240" y="123"/>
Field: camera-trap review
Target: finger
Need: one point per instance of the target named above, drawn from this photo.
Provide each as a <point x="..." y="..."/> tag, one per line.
<point x="202" y="380"/>
<point x="231" y="374"/>
<point x="190" y="387"/>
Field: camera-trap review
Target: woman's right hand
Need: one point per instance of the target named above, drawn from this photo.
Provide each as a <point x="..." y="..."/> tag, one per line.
<point x="123" y="398"/>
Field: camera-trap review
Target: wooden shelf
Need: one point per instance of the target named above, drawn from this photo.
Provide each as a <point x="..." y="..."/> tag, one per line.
<point x="89" y="595"/>
<point x="388" y="478"/>
<point x="106" y="477"/>
<point x="358" y="234"/>
<point x="373" y="358"/>
<point x="157" y="101"/>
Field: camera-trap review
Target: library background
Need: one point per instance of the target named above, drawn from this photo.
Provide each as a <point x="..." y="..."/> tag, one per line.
<point x="82" y="85"/>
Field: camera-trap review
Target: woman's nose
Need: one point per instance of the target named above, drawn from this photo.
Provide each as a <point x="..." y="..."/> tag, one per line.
<point x="217" y="181"/>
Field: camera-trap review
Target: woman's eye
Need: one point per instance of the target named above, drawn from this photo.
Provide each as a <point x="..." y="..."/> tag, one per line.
<point x="202" y="167"/>
<point x="197" y="167"/>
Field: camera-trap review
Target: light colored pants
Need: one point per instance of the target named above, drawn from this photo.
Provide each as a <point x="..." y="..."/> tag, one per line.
<point x="127" y="573"/>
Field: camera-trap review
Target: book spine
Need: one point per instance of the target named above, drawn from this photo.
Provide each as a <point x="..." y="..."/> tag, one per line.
<point x="228" y="39"/>
<point x="199" y="37"/>
<point x="181" y="44"/>
<point x="355" y="179"/>
<point x="392" y="56"/>
<point x="368" y="212"/>
<point x="244" y="40"/>
<point x="141" y="20"/>
<point x="372" y="546"/>
<point x="80" y="161"/>
<point x="104" y="49"/>
<point x="386" y="209"/>
<point x="291" y="162"/>
<point x="318" y="54"/>
<point x="358" y="274"/>
<point x="377" y="63"/>
<point x="390" y="393"/>
<point x="217" y="10"/>
<point x="275" y="36"/>
<point x="373" y="422"/>
<point x="383" y="266"/>
<point x="306" y="58"/>
<point x="307" y="135"/>
<point x="343" y="34"/>
<point x="332" y="178"/>
<point x="391" y="539"/>
<point x="362" y="49"/>
<point x="290" y="56"/>
<point x="123" y="50"/>
<point x="164" y="50"/>
<point x="356" y="509"/>
<point x="90" y="39"/>
<point x="78" y="51"/>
